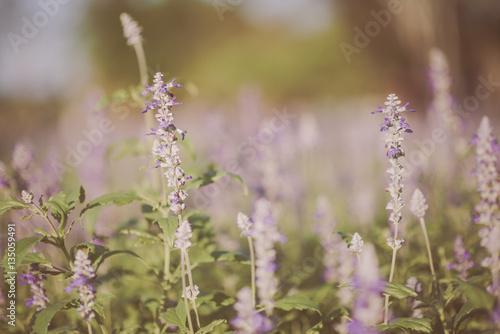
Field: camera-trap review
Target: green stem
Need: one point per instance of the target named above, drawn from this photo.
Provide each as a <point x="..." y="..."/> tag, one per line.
<point x="89" y="328"/>
<point x="183" y="273"/>
<point x="429" y="253"/>
<point x="190" y="276"/>
<point x="252" y="270"/>
<point x="391" y="275"/>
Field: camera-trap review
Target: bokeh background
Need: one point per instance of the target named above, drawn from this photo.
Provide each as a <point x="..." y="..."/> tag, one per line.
<point x="245" y="65"/>
<point x="241" y="62"/>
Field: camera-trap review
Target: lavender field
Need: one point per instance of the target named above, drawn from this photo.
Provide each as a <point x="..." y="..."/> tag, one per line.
<point x="250" y="167"/>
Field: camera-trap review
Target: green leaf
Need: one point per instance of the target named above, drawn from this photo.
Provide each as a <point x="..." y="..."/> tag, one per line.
<point x="422" y="325"/>
<point x="231" y="256"/>
<point x="210" y="327"/>
<point x="213" y="176"/>
<point x="40" y="320"/>
<point x="476" y="296"/>
<point x="11" y="203"/>
<point x="73" y="197"/>
<point x="399" y="291"/>
<point x="42" y="232"/>
<point x="296" y="302"/>
<point x="28" y="216"/>
<point x="99" y="303"/>
<point x="23" y="246"/>
<point x="105" y="255"/>
<point x="465" y="312"/>
<point x="115" y="198"/>
<point x="176" y="316"/>
<point x="59" y="209"/>
<point x="216" y="299"/>
<point x="169" y="226"/>
<point x="34" y="258"/>
<point x="92" y="210"/>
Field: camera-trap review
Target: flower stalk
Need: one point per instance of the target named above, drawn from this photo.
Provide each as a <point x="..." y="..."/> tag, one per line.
<point x="394" y="125"/>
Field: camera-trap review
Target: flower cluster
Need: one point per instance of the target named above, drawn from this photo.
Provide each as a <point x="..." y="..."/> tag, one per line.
<point x="394" y="125"/>
<point x="368" y="303"/>
<point x="418" y="205"/>
<point x="26" y="196"/>
<point x="166" y="149"/>
<point x="487" y="211"/>
<point x="183" y="235"/>
<point x="192" y="294"/>
<point x="443" y="103"/>
<point x="248" y="321"/>
<point x="463" y="261"/>
<point x="131" y="29"/>
<point x="83" y="282"/>
<point x="265" y="233"/>
<point x="357" y="243"/>
<point x="36" y="284"/>
<point x="244" y="223"/>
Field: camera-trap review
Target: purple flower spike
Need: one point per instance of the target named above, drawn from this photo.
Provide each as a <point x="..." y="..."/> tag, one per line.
<point x="83" y="282"/>
<point x="36" y="284"/>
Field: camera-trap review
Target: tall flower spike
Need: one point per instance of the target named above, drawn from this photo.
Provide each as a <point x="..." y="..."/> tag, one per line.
<point x="247" y="320"/>
<point x="487" y="211"/>
<point x="183" y="235"/>
<point x="244" y="224"/>
<point x="368" y="285"/>
<point x="418" y="204"/>
<point x="356" y="244"/>
<point x="265" y="233"/>
<point x="463" y="262"/>
<point x="394" y="125"/>
<point x="131" y="29"/>
<point x="84" y="282"/>
<point x="165" y="149"/>
<point x="36" y="284"/>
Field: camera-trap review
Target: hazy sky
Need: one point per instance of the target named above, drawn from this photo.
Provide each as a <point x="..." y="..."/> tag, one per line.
<point x="41" y="52"/>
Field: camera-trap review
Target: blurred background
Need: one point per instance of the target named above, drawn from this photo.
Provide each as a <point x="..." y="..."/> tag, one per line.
<point x="326" y="63"/>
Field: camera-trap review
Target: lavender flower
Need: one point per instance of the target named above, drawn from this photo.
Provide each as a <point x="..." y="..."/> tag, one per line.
<point x="192" y="294"/>
<point x="23" y="159"/>
<point x="166" y="149"/>
<point x="338" y="260"/>
<point x="183" y="236"/>
<point x="36" y="284"/>
<point x="27" y="197"/>
<point x="463" y="261"/>
<point x="248" y="321"/>
<point x="418" y="204"/>
<point x="356" y="244"/>
<point x="368" y="303"/>
<point x="131" y="29"/>
<point x="489" y="190"/>
<point x="414" y="284"/>
<point x="265" y="233"/>
<point x="5" y="180"/>
<point x="244" y="223"/>
<point x="84" y="281"/>
<point x="394" y="125"/>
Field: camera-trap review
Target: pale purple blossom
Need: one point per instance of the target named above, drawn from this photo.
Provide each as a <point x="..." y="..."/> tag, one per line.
<point x="394" y="125"/>
<point x="369" y="302"/>
<point x="131" y="30"/>
<point x="357" y="243"/>
<point x="35" y="281"/>
<point x="183" y="235"/>
<point x="338" y="260"/>
<point x="165" y="149"/>
<point x="84" y="282"/>
<point x="245" y="224"/>
<point x="265" y="234"/>
<point x="27" y="196"/>
<point x="487" y="211"/>
<point x="248" y="321"/>
<point x="191" y="294"/>
<point x="463" y="261"/>
<point x="418" y="205"/>
<point x="414" y="284"/>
